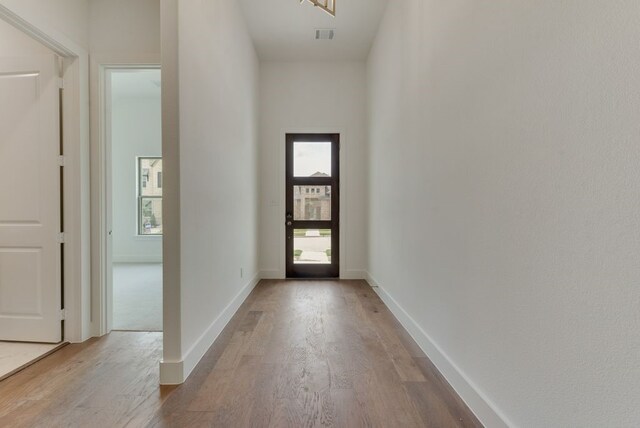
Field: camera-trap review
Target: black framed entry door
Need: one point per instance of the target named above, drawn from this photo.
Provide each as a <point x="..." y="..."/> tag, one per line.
<point x="313" y="206"/>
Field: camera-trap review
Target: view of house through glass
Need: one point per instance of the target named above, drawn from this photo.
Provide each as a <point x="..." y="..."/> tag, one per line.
<point x="149" y="196"/>
<point x="312" y="203"/>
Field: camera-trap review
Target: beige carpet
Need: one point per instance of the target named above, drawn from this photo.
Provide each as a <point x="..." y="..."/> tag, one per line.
<point x="137" y="297"/>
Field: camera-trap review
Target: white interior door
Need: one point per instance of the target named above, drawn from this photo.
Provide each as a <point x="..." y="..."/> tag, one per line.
<point x="30" y="250"/>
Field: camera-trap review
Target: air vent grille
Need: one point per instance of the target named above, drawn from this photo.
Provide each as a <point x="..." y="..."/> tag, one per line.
<point x="325" y="34"/>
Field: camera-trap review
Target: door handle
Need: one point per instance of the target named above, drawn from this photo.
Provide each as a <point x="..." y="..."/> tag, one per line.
<point x="289" y="223"/>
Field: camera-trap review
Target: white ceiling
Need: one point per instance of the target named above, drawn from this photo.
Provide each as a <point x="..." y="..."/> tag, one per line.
<point x="285" y="29"/>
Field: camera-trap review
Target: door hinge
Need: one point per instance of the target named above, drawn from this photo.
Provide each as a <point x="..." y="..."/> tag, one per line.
<point x="60" y="83"/>
<point x="63" y="314"/>
<point x="61" y="238"/>
<point x="61" y="160"/>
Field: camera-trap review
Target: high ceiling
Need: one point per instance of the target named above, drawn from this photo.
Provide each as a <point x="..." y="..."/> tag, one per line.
<point x="285" y="29"/>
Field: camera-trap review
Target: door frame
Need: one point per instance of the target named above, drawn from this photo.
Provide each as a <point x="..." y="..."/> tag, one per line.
<point x="278" y="202"/>
<point x="101" y="203"/>
<point x="75" y="127"/>
<point x="313" y="271"/>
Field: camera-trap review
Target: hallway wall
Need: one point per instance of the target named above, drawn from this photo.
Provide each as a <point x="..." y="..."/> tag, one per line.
<point x="66" y="19"/>
<point x="313" y="97"/>
<point x="125" y="27"/>
<point x="15" y="43"/>
<point x="504" y="187"/>
<point x="217" y="73"/>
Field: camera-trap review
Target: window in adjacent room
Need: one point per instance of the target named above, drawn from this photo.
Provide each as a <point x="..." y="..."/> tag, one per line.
<point x="149" y="196"/>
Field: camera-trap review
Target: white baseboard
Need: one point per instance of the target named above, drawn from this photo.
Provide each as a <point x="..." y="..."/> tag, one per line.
<point x="172" y="372"/>
<point x="485" y="410"/>
<point x="137" y="258"/>
<point x="353" y="274"/>
<point x="176" y="372"/>
<point x="272" y="274"/>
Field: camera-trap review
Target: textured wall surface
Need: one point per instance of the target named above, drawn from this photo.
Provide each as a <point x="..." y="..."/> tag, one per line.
<point x="505" y="197"/>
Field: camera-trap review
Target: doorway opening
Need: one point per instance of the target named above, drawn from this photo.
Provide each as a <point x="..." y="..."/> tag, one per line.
<point x="134" y="198"/>
<point x="312" y="205"/>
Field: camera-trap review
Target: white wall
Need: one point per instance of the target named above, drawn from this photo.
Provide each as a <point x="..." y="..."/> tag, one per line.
<point x="172" y="364"/>
<point x="504" y="200"/>
<point x="135" y="131"/>
<point x="65" y="20"/>
<point x="218" y="106"/>
<point x="125" y="26"/>
<point x="313" y="97"/>
<point x="14" y="42"/>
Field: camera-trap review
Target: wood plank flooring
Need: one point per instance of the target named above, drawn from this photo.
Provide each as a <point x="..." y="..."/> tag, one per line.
<point x="296" y="354"/>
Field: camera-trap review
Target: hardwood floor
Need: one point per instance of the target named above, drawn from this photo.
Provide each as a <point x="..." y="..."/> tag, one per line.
<point x="297" y="354"/>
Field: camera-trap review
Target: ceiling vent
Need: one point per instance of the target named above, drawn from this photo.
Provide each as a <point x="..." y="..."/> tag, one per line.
<point x="325" y="34"/>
